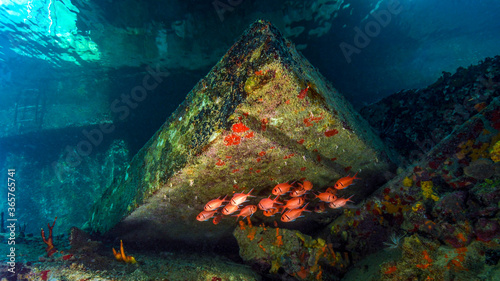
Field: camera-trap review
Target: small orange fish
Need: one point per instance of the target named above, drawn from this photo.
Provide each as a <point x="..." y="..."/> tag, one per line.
<point x="307" y="185"/>
<point x="239" y="198"/>
<point x="345" y="182"/>
<point x="326" y="197"/>
<point x="217" y="219"/>
<point x="298" y="191"/>
<point x="268" y="203"/>
<point x="331" y="190"/>
<point x="205" y="215"/>
<point x="246" y="211"/>
<point x="339" y="202"/>
<point x="281" y="188"/>
<point x="229" y="209"/>
<point x="214" y="204"/>
<point x="293" y="203"/>
<point x="270" y="212"/>
<point x="292" y="215"/>
<point x="320" y="208"/>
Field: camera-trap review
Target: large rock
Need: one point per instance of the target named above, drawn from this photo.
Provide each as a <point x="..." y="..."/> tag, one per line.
<point x="414" y="121"/>
<point x="263" y="115"/>
<point x="434" y="199"/>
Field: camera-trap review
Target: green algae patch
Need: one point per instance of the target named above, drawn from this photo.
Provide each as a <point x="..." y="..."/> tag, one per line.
<point x="263" y="115"/>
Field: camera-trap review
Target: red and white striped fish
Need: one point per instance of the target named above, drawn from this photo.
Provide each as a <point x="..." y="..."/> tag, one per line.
<point x="293" y="203"/>
<point x="229" y="209"/>
<point x="339" y="202"/>
<point x="281" y="188"/>
<point x="246" y="211"/>
<point x="239" y="198"/>
<point x="205" y="215"/>
<point x="326" y="197"/>
<point x="268" y="203"/>
<point x="292" y="215"/>
<point x="214" y="204"/>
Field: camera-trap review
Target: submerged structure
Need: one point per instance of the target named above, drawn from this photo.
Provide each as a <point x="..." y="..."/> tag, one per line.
<point x="262" y="116"/>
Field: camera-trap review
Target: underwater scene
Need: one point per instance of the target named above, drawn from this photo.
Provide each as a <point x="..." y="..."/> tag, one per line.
<point x="226" y="140"/>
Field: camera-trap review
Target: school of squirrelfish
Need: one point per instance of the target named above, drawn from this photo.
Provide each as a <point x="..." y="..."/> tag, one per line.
<point x="291" y="209"/>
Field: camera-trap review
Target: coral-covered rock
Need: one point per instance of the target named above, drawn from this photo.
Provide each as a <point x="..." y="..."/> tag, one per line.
<point x="414" y="121"/>
<point x="432" y="198"/>
<point x="487" y="192"/>
<point x="81" y="242"/>
<point x="480" y="169"/>
<point x="486" y="229"/>
<point x="274" y="250"/>
<point x="451" y="207"/>
<point x="263" y="115"/>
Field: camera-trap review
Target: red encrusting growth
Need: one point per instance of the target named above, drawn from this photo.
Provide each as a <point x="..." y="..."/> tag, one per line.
<point x="303" y="93"/>
<point x="232" y="139"/>
<point x="239" y="128"/>
<point x="331" y="133"/>
<point x="390" y="270"/>
<point x="308" y="121"/>
<point x="44" y="275"/>
<point x="264" y="123"/>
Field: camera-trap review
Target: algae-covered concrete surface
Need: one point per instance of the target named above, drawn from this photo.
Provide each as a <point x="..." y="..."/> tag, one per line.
<point x="263" y="115"/>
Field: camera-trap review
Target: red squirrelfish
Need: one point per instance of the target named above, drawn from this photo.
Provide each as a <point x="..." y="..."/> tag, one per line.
<point x="307" y="185"/>
<point x="339" y="202"/>
<point x="239" y="198"/>
<point x="270" y="212"/>
<point x="345" y="182"/>
<point x="331" y="190"/>
<point x="214" y="204"/>
<point x="291" y="215"/>
<point x="268" y="203"/>
<point x="320" y="208"/>
<point x="326" y="197"/>
<point x="298" y="191"/>
<point x="281" y="188"/>
<point x="205" y="215"/>
<point x="217" y="219"/>
<point x="229" y="209"/>
<point x="246" y="211"/>
<point x="293" y="203"/>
